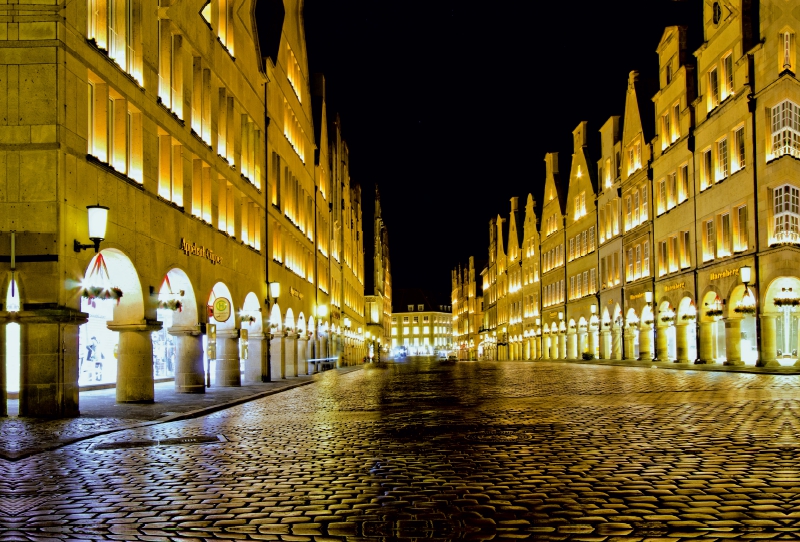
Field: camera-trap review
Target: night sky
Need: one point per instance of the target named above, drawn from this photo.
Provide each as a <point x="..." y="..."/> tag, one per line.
<point x="450" y="106"/>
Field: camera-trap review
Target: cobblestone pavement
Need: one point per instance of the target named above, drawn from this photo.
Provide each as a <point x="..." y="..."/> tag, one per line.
<point x="436" y="451"/>
<point x="101" y="414"/>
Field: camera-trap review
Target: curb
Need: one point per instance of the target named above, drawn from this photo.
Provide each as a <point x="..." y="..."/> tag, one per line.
<point x="210" y="409"/>
<point x="670" y="366"/>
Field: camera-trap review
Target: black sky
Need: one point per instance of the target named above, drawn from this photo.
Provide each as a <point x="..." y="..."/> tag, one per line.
<point x="450" y="106"/>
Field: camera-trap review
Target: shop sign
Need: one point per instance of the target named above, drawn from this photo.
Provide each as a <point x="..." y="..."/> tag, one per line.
<point x="192" y="249"/>
<point x="335" y="314"/>
<point x="672" y="287"/>
<point x="221" y="309"/>
<point x="723" y="274"/>
<point x="295" y="293"/>
<point x="634" y="297"/>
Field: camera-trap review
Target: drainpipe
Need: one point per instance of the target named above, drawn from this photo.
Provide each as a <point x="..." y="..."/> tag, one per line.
<point x="266" y="374"/>
<point x="752" y="104"/>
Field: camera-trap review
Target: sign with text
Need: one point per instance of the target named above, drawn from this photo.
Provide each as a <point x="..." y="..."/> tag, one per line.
<point x="221" y="309"/>
<point x="193" y="249"/>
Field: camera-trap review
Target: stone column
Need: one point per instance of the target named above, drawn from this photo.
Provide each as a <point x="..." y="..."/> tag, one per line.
<point x="276" y="346"/>
<point x="645" y="343"/>
<point x="302" y="354"/>
<point x="768" y="341"/>
<point x="593" y="340"/>
<point x="135" y="361"/>
<point x="616" y="343"/>
<point x="562" y="350"/>
<point x="682" y="342"/>
<point x="290" y="355"/>
<point x="605" y="343"/>
<point x="706" y="343"/>
<point x="628" y="343"/>
<point x="310" y="354"/>
<point x="256" y="350"/>
<point x="3" y="393"/>
<point x="733" y="341"/>
<point x="572" y="344"/>
<point x="189" y="371"/>
<point x="662" y="343"/>
<point x="228" y="372"/>
<point x="546" y="346"/>
<point x="48" y="362"/>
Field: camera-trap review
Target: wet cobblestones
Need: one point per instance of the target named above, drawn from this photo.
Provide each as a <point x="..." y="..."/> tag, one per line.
<point x="441" y="452"/>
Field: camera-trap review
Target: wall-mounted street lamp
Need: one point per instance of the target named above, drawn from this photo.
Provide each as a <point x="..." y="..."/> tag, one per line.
<point x="98" y="219"/>
<point x="748" y="302"/>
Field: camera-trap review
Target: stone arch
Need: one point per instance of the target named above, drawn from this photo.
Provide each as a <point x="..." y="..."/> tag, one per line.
<point x="780" y="287"/>
<point x="275" y="320"/>
<point x="176" y="285"/>
<point x="631" y="316"/>
<point x="686" y="307"/>
<point x="708" y="299"/>
<point x="251" y="310"/>
<point x="122" y="274"/>
<point x="301" y="324"/>
<point x="220" y="289"/>
<point x="288" y="320"/>
<point x="312" y="329"/>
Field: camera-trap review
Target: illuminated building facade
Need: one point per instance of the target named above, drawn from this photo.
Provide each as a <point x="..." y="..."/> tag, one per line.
<point x="379" y="304"/>
<point x="197" y="136"/>
<point x="421" y="326"/>
<point x="487" y="347"/>
<point x="697" y="220"/>
<point x="467" y="305"/>
<point x="530" y="264"/>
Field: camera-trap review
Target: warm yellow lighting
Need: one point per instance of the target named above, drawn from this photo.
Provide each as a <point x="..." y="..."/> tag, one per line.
<point x="275" y="289"/>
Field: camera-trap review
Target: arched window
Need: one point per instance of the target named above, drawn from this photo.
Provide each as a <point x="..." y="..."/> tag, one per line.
<point x="786" y="208"/>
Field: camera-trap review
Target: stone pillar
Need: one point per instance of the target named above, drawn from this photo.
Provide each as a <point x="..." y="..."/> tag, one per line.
<point x="605" y="343"/>
<point x="302" y="354"/>
<point x="706" y="343"/>
<point x="189" y="371"/>
<point x="253" y="365"/>
<point x="290" y="355"/>
<point x="572" y="344"/>
<point x="135" y="361"/>
<point x="768" y="341"/>
<point x="562" y="350"/>
<point x="228" y="373"/>
<point x="593" y="340"/>
<point x="733" y="341"/>
<point x="616" y="343"/>
<point x="628" y="343"/>
<point x="682" y="342"/>
<point x="3" y="393"/>
<point x="645" y="343"/>
<point x="546" y="348"/>
<point x="48" y="362"/>
<point x="310" y="354"/>
<point x="662" y="343"/>
<point x="276" y="346"/>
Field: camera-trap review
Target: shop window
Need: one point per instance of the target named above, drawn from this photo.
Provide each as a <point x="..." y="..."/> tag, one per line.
<point x="786" y="209"/>
<point x="785" y="129"/>
<point x="112" y="27"/>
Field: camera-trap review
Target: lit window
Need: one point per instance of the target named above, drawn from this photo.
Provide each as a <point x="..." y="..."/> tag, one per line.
<point x="110" y="27"/>
<point x="394" y="331"/>
<point x="662" y="196"/>
<point x="727" y="74"/>
<point x="294" y="74"/>
<point x="722" y="159"/>
<point x="786" y="210"/>
<point x="740" y="237"/>
<point x="676" y="121"/>
<point x="713" y="88"/>
<point x="685" y="250"/>
<point x="786" y="129"/>
<point x="738" y="149"/>
<point x="708" y="241"/>
<point x="787" y="47"/>
<point x="683" y="183"/>
<point x="707" y="170"/>
<point x="724" y="232"/>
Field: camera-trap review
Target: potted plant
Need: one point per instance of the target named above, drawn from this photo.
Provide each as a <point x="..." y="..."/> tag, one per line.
<point x="744" y="310"/>
<point x="714" y="313"/>
<point x="689" y="317"/>
<point x="247" y="318"/>
<point x="668" y="319"/>
<point x="171" y="305"/>
<point x="786" y="301"/>
<point x="93" y="293"/>
<point x="647" y="322"/>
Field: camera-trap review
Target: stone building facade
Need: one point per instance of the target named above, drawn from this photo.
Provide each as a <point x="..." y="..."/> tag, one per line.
<point x="695" y="209"/>
<point x="210" y="149"/>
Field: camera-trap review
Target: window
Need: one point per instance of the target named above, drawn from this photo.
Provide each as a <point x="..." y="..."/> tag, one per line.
<point x="578" y="286"/>
<point x="111" y="25"/>
<point x="293" y="131"/>
<point x="416" y="330"/>
<point x="707" y="171"/>
<point x="636" y="220"/>
<point x="585" y="283"/>
<point x="572" y="287"/>
<point x="786" y="129"/>
<point x="724" y="232"/>
<point x="787" y="46"/>
<point x="738" y="149"/>
<point x="666" y="130"/>
<point x="616" y="268"/>
<point x="602" y="222"/>
<point x="646" y="258"/>
<point x="662" y="258"/>
<point x="722" y="159"/>
<point x="708" y="241"/>
<point x="405" y="319"/>
<point x="673" y="254"/>
<point x="638" y="270"/>
<point x="628" y="214"/>
<point x="593" y="280"/>
<point x="683" y="183"/>
<point x="394" y="332"/>
<point x="571" y="248"/>
<point x="219" y="14"/>
<point x="629" y="275"/>
<point x="583" y="242"/>
<point x="425" y="319"/>
<point x="676" y="121"/>
<point x="727" y="74"/>
<point x="787" y="214"/>
<point x="740" y="239"/>
<point x="405" y="330"/>
<point x="294" y="74"/>
<point x="685" y="250"/>
<point x="645" y="211"/>
<point x="591" y="239"/>
<point x="713" y="89"/>
<point x="426" y="330"/>
<point x="170" y="68"/>
<point x="170" y="168"/>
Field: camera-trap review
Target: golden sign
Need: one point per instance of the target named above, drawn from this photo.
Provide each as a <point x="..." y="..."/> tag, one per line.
<point x="192" y="249"/>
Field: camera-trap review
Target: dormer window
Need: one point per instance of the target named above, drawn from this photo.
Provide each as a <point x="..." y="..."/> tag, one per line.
<point x="787" y="51"/>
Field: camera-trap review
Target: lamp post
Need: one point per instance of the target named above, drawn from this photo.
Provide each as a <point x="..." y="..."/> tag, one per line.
<point x="98" y="220"/>
<point x="273" y="292"/>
